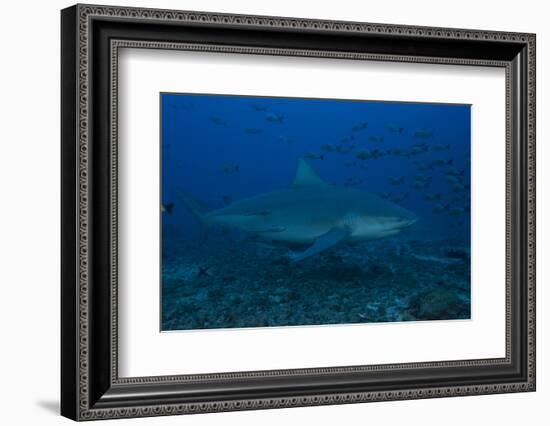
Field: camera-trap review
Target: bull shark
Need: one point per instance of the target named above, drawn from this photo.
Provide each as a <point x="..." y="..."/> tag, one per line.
<point x="309" y="212"/>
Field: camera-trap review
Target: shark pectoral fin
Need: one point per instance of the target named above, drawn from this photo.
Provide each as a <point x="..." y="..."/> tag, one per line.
<point x="325" y="241"/>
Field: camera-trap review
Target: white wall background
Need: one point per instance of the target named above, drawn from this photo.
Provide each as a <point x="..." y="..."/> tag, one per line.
<point x="29" y="213"/>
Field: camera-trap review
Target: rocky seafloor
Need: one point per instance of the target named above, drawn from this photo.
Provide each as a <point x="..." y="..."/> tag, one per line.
<point x="224" y="284"/>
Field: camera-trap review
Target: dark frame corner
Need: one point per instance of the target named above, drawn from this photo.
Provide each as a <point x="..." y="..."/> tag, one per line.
<point x="90" y="386"/>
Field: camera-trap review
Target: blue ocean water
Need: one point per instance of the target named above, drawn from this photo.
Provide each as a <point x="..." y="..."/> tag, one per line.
<point x="221" y="149"/>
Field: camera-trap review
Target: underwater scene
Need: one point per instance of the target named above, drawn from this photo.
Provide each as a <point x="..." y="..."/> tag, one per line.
<point x="281" y="211"/>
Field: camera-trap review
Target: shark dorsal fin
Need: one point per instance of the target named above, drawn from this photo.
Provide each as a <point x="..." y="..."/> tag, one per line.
<point x="305" y="175"/>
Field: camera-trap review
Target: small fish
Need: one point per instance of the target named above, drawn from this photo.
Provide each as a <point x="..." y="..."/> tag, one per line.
<point x="394" y="127"/>
<point x="457" y="211"/>
<point x="184" y="105"/>
<point x="218" y="121"/>
<point x="459" y="187"/>
<point x="432" y="197"/>
<point x="417" y="149"/>
<point x="422" y="167"/>
<point x="328" y="147"/>
<point x="275" y="118"/>
<point x="452" y="171"/>
<point x="399" y="152"/>
<point x="360" y="126"/>
<point x="423" y="146"/>
<point x="377" y="153"/>
<point x="353" y="181"/>
<point x="423" y="133"/>
<point x="421" y="185"/>
<point x="167" y="208"/>
<point x="400" y="198"/>
<point x="422" y="178"/>
<point x="376" y="138"/>
<point x="440" y="208"/>
<point x="441" y="147"/>
<point x="230" y="168"/>
<point x="259" y="107"/>
<point x="345" y="149"/>
<point x="452" y="179"/>
<point x="396" y="180"/>
<point x="347" y="139"/>
<point x="227" y="200"/>
<point x="441" y="162"/>
<point x="363" y="155"/>
<point x="285" y="139"/>
<point x="314" y="156"/>
<point x="252" y="131"/>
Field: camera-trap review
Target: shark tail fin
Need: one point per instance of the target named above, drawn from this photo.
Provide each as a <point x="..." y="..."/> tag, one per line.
<point x="198" y="209"/>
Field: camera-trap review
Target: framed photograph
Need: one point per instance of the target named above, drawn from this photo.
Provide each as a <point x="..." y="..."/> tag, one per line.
<point x="263" y="212"/>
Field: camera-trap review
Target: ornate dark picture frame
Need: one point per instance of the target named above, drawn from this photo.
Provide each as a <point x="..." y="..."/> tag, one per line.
<point x="90" y="385"/>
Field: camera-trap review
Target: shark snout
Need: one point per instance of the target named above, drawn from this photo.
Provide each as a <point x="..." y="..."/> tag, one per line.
<point x="406" y="222"/>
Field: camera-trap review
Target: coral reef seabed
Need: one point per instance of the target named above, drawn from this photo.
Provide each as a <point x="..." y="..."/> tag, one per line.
<point x="247" y="284"/>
